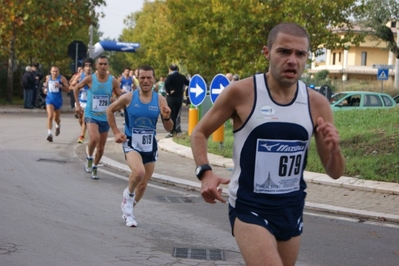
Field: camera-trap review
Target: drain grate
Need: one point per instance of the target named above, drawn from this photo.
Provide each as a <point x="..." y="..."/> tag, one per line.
<point x="199" y="254"/>
<point x="51" y="160"/>
<point x="177" y="199"/>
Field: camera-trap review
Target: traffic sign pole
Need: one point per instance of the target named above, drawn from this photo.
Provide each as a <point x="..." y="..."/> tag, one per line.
<point x="192" y="119"/>
<point x="383" y="74"/>
<point x="219" y="82"/>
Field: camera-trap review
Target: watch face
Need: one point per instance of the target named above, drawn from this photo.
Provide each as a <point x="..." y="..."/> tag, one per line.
<point x="198" y="170"/>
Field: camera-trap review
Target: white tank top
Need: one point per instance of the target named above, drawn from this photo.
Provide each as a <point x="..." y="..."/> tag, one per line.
<point x="270" y="152"/>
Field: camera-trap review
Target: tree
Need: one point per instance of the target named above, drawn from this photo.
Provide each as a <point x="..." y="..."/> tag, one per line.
<point x="39" y="30"/>
<point x="220" y="36"/>
<point x="373" y="16"/>
<point x="151" y="28"/>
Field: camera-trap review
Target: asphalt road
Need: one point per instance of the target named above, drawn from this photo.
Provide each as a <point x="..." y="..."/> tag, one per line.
<point x="53" y="213"/>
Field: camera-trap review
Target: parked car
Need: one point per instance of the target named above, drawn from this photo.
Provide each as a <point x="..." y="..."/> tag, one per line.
<point x="396" y="98"/>
<point x="349" y="100"/>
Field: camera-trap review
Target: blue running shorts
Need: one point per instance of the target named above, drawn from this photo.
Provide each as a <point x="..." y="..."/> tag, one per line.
<point x="103" y="126"/>
<point x="147" y="157"/>
<point x="282" y="226"/>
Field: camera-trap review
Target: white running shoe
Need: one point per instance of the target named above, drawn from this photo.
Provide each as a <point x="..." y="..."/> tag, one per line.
<point x="130" y="221"/>
<point x="94" y="173"/>
<point x="127" y="208"/>
<point x="89" y="165"/>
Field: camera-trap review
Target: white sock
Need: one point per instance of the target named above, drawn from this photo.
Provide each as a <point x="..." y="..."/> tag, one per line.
<point x="57" y="126"/>
<point x="49" y="132"/>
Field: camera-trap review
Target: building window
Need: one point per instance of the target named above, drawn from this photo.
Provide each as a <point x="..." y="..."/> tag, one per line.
<point x="393" y="24"/>
<point x="364" y="59"/>
<point x="339" y="57"/>
<point x="333" y="59"/>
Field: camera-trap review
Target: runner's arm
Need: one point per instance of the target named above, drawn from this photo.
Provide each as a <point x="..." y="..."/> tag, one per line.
<point x="120" y="103"/>
<point x="76" y="88"/>
<point x="165" y="113"/>
<point x="65" y="84"/>
<point x="116" y="89"/>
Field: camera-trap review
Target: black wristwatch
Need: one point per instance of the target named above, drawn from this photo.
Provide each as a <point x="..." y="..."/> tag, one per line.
<point x="200" y="170"/>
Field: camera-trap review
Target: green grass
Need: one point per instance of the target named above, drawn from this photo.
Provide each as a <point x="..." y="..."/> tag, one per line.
<point x="369" y="142"/>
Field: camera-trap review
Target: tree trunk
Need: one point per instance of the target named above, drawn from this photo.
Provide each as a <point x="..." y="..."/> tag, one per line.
<point x="10" y="75"/>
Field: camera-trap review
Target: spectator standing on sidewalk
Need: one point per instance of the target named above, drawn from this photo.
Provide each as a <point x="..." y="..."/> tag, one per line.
<point x="38" y="77"/>
<point x="143" y="108"/>
<point x="101" y="85"/>
<point x="175" y="84"/>
<point x="53" y="87"/>
<point x="275" y="116"/>
<point x="28" y="84"/>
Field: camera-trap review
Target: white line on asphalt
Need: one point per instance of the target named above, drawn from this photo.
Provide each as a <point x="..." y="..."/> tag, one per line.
<point x="150" y="185"/>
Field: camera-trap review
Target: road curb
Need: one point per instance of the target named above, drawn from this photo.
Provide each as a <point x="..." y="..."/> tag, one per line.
<point x="196" y="186"/>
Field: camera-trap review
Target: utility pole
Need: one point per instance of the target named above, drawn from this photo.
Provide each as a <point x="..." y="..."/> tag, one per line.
<point x="91" y="41"/>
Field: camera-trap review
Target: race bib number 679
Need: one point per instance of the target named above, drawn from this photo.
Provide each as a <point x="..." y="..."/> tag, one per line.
<point x="278" y="166"/>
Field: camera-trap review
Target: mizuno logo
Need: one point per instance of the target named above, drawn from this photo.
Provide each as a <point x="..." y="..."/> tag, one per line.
<point x="269" y="147"/>
<point x="290" y="148"/>
<point x="282" y="146"/>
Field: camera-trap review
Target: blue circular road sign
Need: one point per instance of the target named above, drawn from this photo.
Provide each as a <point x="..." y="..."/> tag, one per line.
<point x="197" y="90"/>
<point x="219" y="82"/>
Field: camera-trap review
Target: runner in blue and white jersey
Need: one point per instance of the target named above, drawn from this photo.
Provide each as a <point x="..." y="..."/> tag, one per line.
<point x="87" y="70"/>
<point x="99" y="96"/>
<point x="53" y="87"/>
<point x="143" y="107"/>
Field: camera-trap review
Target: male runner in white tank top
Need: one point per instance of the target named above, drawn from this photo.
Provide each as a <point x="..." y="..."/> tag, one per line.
<point x="274" y="117"/>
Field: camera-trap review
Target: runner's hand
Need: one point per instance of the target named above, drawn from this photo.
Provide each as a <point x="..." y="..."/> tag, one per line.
<point x="210" y="189"/>
<point x="165" y="111"/>
<point x="120" y="138"/>
<point x="78" y="109"/>
<point x="330" y="135"/>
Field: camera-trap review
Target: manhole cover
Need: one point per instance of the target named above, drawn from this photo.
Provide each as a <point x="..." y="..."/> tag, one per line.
<point x="51" y="160"/>
<point x="199" y="254"/>
<point x="177" y="199"/>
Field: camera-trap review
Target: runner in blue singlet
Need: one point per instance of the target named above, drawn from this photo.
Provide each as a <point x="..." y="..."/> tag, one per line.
<point x="101" y="87"/>
<point x="87" y="70"/>
<point x="143" y="108"/>
<point x="53" y="87"/>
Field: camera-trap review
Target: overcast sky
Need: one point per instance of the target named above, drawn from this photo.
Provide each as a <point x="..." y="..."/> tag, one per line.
<point x="115" y="11"/>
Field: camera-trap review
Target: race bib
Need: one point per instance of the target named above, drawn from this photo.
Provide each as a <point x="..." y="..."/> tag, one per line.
<point x="126" y="87"/>
<point x="278" y="166"/>
<point x="142" y="139"/>
<point x="52" y="87"/>
<point x="100" y="103"/>
<point x="83" y="95"/>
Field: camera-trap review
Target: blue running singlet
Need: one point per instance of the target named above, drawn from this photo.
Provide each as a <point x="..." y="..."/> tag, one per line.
<point x="98" y="98"/>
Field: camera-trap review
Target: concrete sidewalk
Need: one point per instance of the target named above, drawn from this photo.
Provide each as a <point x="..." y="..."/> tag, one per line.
<point x="349" y="196"/>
